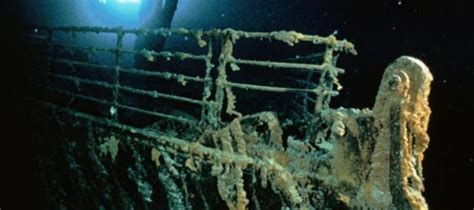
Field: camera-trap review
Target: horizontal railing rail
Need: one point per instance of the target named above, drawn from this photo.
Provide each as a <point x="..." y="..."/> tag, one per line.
<point x="216" y="87"/>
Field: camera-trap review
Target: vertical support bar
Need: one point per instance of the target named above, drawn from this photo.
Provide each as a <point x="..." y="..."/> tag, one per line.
<point x="118" y="55"/>
<point x="326" y="82"/>
<point x="206" y="115"/>
<point x="225" y="55"/>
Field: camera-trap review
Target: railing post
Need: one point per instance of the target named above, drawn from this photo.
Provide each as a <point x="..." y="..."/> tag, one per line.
<point x="326" y="81"/>
<point x="207" y="110"/>
<point x="225" y="55"/>
<point x="118" y="55"/>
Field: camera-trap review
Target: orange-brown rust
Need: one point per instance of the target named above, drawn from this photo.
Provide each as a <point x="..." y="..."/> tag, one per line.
<point x="401" y="114"/>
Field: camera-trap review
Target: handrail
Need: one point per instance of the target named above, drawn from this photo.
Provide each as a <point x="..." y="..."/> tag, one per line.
<point x="218" y="85"/>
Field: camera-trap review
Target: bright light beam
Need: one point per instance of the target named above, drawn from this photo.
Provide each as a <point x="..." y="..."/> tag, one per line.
<point x="120" y="1"/>
<point x="128" y="1"/>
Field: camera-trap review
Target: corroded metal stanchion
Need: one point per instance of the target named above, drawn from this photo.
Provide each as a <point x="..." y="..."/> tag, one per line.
<point x="118" y="54"/>
<point x="225" y="54"/>
<point x="207" y="115"/>
<point x="401" y="114"/>
<point x="325" y="84"/>
<point x="328" y="77"/>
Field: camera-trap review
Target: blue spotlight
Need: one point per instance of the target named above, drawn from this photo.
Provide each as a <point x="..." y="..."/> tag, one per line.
<point x="117" y="12"/>
<point x="121" y="1"/>
<point x="123" y="7"/>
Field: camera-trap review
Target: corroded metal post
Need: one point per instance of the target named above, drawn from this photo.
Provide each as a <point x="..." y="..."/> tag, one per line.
<point x="375" y="155"/>
<point x="329" y="76"/>
<point x="325" y="82"/>
<point x="401" y="114"/>
<point x="225" y="55"/>
<point x="118" y="55"/>
<point x="207" y="106"/>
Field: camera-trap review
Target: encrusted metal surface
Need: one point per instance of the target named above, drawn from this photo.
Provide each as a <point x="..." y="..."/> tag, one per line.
<point x="352" y="158"/>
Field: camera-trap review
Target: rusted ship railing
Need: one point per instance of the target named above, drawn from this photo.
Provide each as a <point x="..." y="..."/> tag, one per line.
<point x="216" y="91"/>
<point x="361" y="159"/>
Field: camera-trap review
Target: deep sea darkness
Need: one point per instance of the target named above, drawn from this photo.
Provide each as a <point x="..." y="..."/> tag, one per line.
<point x="437" y="32"/>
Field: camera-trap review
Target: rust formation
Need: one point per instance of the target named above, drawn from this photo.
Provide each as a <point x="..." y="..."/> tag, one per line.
<point x="355" y="158"/>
